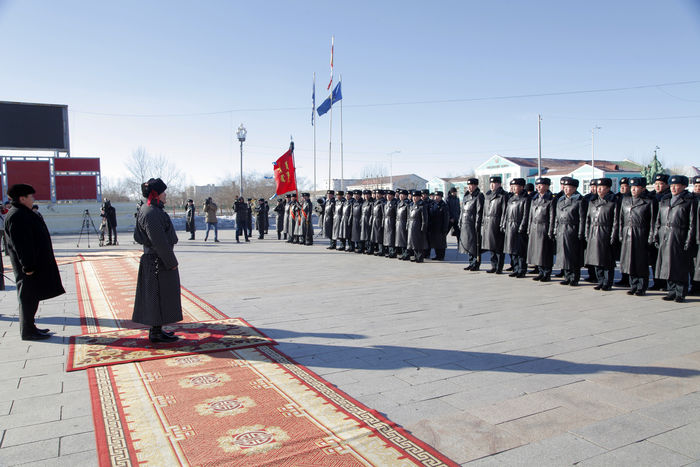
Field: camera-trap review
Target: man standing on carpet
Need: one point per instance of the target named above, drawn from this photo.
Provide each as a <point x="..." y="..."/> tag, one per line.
<point x="33" y="261"/>
<point x="157" y="299"/>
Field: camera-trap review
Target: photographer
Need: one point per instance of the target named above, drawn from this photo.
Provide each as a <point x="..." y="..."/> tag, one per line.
<point x="210" y="208"/>
<point x="110" y="214"/>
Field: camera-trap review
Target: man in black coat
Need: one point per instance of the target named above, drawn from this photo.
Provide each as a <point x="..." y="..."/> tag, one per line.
<point x="389" y="219"/>
<point x="470" y="224"/>
<point x="427" y="199"/>
<point x="514" y="225"/>
<point x="190" y="219"/>
<point x="260" y="218"/>
<point x="601" y="234"/>
<point x="454" y="207"/>
<point x="334" y="215"/>
<point x="110" y="214"/>
<point x="355" y="218"/>
<point x="696" y="275"/>
<point x="438" y="226"/>
<point x="569" y="231"/>
<point x="636" y="228"/>
<point x="417" y="226"/>
<point x="240" y="207"/>
<point x="675" y="236"/>
<point x="661" y="191"/>
<point x="307" y="226"/>
<point x="377" y="235"/>
<point x="588" y="197"/>
<point x="491" y="234"/>
<point x="279" y="221"/>
<point x="346" y="223"/>
<point x="540" y="245"/>
<point x="402" y="208"/>
<point x="33" y="261"/>
<point x="366" y="223"/>
<point x="623" y="194"/>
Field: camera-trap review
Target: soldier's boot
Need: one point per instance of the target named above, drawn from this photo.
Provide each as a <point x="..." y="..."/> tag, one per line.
<point x="285" y="236"/>
<point x="419" y="257"/>
<point x="351" y="247"/>
<point x="392" y="252"/>
<point x="331" y="246"/>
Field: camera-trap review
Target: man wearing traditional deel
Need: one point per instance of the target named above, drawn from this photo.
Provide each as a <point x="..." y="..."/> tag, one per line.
<point x="636" y="228"/>
<point x="514" y="225"/>
<point x="470" y="224"/>
<point x="540" y="246"/>
<point x="569" y="231"/>
<point x="491" y="234"/>
<point x="675" y="234"/>
<point x="157" y="301"/>
<point x="33" y="262"/>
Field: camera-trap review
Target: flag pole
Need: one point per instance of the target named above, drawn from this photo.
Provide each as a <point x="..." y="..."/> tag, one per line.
<point x="294" y="163"/>
<point x="342" y="177"/>
<point x="330" y="141"/>
<point x="313" y="121"/>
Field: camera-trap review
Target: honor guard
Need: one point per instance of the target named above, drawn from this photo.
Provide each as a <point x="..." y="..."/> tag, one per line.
<point x="514" y="226"/>
<point x="675" y="234"/>
<point x="470" y="224"/>
<point x="438" y="226"/>
<point x="329" y="217"/>
<point x="377" y="235"/>
<point x="357" y="245"/>
<point x="540" y="245"/>
<point x="402" y="208"/>
<point x="389" y="219"/>
<point x="569" y="231"/>
<point x="661" y="191"/>
<point x="601" y="234"/>
<point x="366" y="224"/>
<point x="491" y="235"/>
<point x="619" y="197"/>
<point x="306" y="221"/>
<point x="280" y="211"/>
<point x="417" y="227"/>
<point x="346" y="224"/>
<point x="696" y="275"/>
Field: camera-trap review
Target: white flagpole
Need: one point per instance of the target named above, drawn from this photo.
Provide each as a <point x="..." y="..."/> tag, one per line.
<point x="330" y="140"/>
<point x="313" y="114"/>
<point x="342" y="177"/>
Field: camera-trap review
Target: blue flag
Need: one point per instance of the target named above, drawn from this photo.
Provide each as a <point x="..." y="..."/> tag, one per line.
<point x="326" y="105"/>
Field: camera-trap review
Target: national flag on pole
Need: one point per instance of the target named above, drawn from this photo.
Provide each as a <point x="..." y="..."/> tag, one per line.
<point x="329" y="84"/>
<point x="285" y="179"/>
<point x="335" y="96"/>
<point x="313" y="101"/>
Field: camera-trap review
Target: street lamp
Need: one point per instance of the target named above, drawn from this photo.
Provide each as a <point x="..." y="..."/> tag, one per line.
<point x="241" y="134"/>
<point x="593" y="149"/>
<point x="391" y="167"/>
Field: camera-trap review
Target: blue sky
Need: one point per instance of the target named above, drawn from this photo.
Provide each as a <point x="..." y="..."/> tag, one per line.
<point x="129" y="71"/>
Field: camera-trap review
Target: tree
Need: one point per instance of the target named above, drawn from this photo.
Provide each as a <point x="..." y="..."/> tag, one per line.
<point x="374" y="174"/>
<point x="143" y="166"/>
<point x="115" y="190"/>
<point x="650" y="171"/>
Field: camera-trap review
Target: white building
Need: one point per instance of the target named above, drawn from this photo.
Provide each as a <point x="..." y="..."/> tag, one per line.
<point x="406" y="181"/>
<point x="554" y="169"/>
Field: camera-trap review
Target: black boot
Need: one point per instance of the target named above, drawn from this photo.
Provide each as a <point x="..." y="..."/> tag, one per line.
<point x="156" y="335"/>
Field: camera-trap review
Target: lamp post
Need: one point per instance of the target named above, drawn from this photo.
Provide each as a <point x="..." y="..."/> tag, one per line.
<point x="391" y="167"/>
<point x="593" y="150"/>
<point x="241" y="134"/>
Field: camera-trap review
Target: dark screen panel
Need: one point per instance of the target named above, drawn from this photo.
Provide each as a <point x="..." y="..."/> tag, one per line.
<point x="34" y="173"/>
<point x="33" y="126"/>
<point x="76" y="187"/>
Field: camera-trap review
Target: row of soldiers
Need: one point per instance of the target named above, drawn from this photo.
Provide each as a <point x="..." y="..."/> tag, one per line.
<point x="637" y="227"/>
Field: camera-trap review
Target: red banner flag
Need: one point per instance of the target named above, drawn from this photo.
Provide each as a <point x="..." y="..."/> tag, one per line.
<point x="285" y="178"/>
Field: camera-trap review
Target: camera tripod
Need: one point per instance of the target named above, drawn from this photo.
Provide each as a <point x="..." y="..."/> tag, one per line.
<point x="87" y="223"/>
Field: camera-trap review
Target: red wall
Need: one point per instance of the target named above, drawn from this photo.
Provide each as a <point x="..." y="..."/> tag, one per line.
<point x="35" y="173"/>
<point x="79" y="164"/>
<point x="76" y="187"/>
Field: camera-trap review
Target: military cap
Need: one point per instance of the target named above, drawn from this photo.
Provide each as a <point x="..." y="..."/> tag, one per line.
<point x="190" y="201"/>
<point x="518" y="181"/>
<point x="20" y="189"/>
<point x="288" y="195"/>
<point x="678" y="180"/>
<point x="638" y="181"/>
<point x="529" y="187"/>
<point x="319" y="200"/>
<point x="594" y="182"/>
<point x="416" y="193"/>
<point x="153" y="184"/>
<point x="495" y="180"/>
<point x="425" y="191"/>
<point x="473" y="181"/>
<point x="453" y="190"/>
<point x="696" y="179"/>
<point x="390" y="192"/>
<point x="250" y="199"/>
<point x="376" y="191"/>
<point x="381" y="192"/>
<point x="624" y="181"/>
<point x="605" y="181"/>
<point x="356" y="192"/>
<point x="340" y="193"/>
<point x="331" y="192"/>
<point x="403" y="192"/>
<point x="294" y="195"/>
<point x="305" y="194"/>
<point x="543" y="181"/>
<point x="366" y="192"/>
<point x="661" y="178"/>
<point x="262" y="200"/>
<point x="439" y="193"/>
<point x="569" y="181"/>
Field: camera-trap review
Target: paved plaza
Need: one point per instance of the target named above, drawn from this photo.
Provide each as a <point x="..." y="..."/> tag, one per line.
<point x="490" y="370"/>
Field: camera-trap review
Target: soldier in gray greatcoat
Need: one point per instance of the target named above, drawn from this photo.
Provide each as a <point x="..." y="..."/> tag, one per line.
<point x="491" y="235"/>
<point x="306" y="220"/>
<point x="328" y="217"/>
<point x="357" y="244"/>
<point x="569" y="231"/>
<point x="602" y="233"/>
<point x="417" y="226"/>
<point x="696" y="276"/>
<point x="675" y="234"/>
<point x="346" y="224"/>
<point x="661" y="191"/>
<point x="540" y="245"/>
<point x="636" y="229"/>
<point x="402" y="208"/>
<point x="470" y="224"/>
<point x="294" y="225"/>
<point x="377" y="235"/>
<point x="438" y="226"/>
<point x="337" y="220"/>
<point x="157" y="301"/>
<point x="514" y="225"/>
<point x="366" y="223"/>
<point x="190" y="224"/>
<point x="389" y="219"/>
